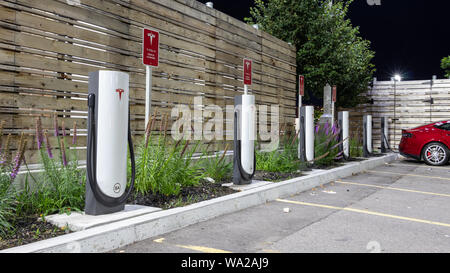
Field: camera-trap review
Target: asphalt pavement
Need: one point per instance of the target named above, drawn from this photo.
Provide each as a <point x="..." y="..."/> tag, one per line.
<point x="399" y="207"/>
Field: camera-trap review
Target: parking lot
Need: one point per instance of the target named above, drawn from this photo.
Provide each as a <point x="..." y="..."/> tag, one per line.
<point x="399" y="207"/>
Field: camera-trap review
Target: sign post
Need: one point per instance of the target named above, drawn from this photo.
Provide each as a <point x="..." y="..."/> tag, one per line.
<point x="150" y="58"/>
<point x="247" y="74"/>
<point x="333" y="100"/>
<point x="301" y="91"/>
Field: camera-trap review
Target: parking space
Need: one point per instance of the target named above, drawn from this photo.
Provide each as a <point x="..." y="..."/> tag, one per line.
<point x="398" y="207"/>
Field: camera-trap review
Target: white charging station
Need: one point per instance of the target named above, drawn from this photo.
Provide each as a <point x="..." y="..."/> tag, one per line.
<point x="306" y="134"/>
<point x="367" y="143"/>
<point x="385" y="135"/>
<point x="309" y="132"/>
<point x="108" y="136"/>
<point x="344" y="124"/>
<point x="244" y="139"/>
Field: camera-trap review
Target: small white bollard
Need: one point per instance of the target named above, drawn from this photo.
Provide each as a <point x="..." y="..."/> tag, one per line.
<point x="344" y="124"/>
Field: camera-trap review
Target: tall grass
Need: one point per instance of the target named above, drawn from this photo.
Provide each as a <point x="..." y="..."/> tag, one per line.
<point x="8" y="172"/>
<point x="163" y="166"/>
<point x="7" y="204"/>
<point x="284" y="159"/>
<point x="356" y="145"/>
<point x="216" y="166"/>
<point x="61" y="186"/>
<point x="326" y="144"/>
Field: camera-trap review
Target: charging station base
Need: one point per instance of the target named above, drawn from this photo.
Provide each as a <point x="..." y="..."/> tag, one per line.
<point x="93" y="207"/>
<point x="77" y="221"/>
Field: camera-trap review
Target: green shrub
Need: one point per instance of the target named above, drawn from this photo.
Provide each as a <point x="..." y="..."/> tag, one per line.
<point x="7" y="202"/>
<point x="216" y="166"/>
<point x="356" y="146"/>
<point x="280" y="160"/>
<point x="61" y="186"/>
<point x="8" y="172"/>
<point x="326" y="144"/>
<point x="165" y="167"/>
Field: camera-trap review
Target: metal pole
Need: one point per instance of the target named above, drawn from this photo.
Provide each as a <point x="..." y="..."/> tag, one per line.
<point x="148" y="93"/>
<point x="395" y="116"/>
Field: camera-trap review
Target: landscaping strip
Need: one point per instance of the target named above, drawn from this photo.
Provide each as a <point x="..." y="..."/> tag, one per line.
<point x="111" y="236"/>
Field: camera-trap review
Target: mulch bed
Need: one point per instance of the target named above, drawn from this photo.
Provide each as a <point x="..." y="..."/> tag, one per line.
<point x="33" y="229"/>
<point x="29" y="230"/>
<point x="275" y="176"/>
<point x="204" y="191"/>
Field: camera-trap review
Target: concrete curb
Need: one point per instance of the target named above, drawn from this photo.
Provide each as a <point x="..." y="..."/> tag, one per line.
<point x="111" y="236"/>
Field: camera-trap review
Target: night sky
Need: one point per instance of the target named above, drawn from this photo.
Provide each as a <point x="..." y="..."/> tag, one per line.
<point x="410" y="37"/>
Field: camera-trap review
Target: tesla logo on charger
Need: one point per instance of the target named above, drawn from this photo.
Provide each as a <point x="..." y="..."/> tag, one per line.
<point x="120" y="91"/>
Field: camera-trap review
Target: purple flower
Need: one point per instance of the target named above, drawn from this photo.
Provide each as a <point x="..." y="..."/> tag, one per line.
<point x="334" y="129"/>
<point x="16" y="167"/>
<point x="55" y="124"/>
<point x="47" y="143"/>
<point x="63" y="153"/>
<point x="39" y="136"/>
<point x="326" y="130"/>
<point x="18" y="160"/>
<point x="317" y="128"/>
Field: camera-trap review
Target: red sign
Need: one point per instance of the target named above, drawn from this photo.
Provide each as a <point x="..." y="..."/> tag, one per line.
<point x="150" y="47"/>
<point x="120" y="91"/>
<point x="301" y="85"/>
<point x="334" y="95"/>
<point x="247" y="72"/>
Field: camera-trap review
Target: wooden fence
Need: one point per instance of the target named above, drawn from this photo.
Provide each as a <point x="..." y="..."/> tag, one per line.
<point x="407" y="104"/>
<point x="48" y="47"/>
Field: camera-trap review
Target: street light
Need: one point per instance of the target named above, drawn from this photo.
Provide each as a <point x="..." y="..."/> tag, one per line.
<point x="398" y="78"/>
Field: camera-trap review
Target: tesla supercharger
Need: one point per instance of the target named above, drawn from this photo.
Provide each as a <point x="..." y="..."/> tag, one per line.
<point x="385" y="135"/>
<point x="244" y="160"/>
<point x="367" y="141"/>
<point x="109" y="136"/>
<point x="344" y="147"/>
<point x="306" y="134"/>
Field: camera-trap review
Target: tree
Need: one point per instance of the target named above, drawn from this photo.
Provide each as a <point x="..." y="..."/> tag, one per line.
<point x="445" y="64"/>
<point x="329" y="48"/>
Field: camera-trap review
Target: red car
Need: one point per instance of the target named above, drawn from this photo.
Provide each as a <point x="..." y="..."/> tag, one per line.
<point x="429" y="143"/>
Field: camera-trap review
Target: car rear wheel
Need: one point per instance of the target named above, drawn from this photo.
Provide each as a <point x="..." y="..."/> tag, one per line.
<point x="435" y="154"/>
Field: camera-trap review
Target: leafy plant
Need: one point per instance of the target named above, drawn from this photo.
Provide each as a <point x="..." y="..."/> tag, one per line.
<point x="355" y="145"/>
<point x="163" y="166"/>
<point x="280" y="160"/>
<point x="8" y="172"/>
<point x="326" y="144"/>
<point x="7" y="202"/>
<point x="61" y="186"/>
<point x="216" y="166"/>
